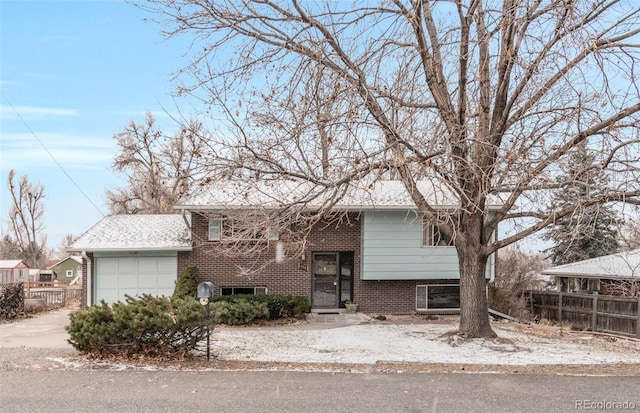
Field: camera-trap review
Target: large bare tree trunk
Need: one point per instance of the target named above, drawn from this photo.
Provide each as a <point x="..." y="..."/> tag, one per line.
<point x="474" y="317"/>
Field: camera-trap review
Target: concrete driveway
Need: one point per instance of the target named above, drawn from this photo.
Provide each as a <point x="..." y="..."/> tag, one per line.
<point x="46" y="330"/>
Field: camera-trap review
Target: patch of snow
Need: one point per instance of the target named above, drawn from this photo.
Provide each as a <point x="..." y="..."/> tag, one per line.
<point x="425" y="343"/>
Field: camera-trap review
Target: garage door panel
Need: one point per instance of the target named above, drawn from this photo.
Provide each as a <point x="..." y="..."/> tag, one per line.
<point x="128" y="281"/>
<point x="109" y="282"/>
<point x="107" y="266"/>
<point x="129" y="265"/>
<point x="148" y="265"/>
<point x="110" y="295"/>
<point x="148" y="282"/>
<point x="135" y="276"/>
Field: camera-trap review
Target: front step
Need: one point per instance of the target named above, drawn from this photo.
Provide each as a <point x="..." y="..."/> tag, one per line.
<point x="328" y="311"/>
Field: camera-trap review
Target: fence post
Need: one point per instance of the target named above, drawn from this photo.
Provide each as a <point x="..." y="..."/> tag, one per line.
<point x="638" y="320"/>
<point x="560" y="307"/>
<point x="533" y="308"/>
<point x="594" y="320"/>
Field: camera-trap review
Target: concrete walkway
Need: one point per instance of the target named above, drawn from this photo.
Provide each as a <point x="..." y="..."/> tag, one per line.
<point x="45" y="330"/>
<point x="337" y="319"/>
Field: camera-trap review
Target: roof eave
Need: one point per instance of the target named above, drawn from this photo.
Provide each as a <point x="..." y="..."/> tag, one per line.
<point x="124" y="249"/>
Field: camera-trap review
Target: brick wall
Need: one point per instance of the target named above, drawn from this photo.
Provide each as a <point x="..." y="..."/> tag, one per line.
<point x="83" y="303"/>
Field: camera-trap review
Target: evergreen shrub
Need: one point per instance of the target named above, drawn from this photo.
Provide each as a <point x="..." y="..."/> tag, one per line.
<point x="153" y="326"/>
<point x="187" y="284"/>
<point x="238" y="312"/>
<point x="278" y="305"/>
<point x="11" y="301"/>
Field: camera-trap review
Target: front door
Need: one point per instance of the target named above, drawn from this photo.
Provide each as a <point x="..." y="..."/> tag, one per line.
<point x="332" y="279"/>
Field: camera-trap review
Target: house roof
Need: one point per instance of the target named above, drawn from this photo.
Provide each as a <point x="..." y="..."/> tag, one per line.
<point x="136" y="233"/>
<point x="12" y="263"/>
<point x="620" y="265"/>
<point x="75" y="258"/>
<point x="275" y="193"/>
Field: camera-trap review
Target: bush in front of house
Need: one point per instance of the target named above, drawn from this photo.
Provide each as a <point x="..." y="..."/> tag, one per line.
<point x="238" y="312"/>
<point x="187" y="284"/>
<point x="149" y="325"/>
<point x="11" y="301"/>
<point x="278" y="306"/>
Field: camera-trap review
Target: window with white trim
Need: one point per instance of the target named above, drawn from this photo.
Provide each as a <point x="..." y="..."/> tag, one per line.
<point x="248" y="228"/>
<point x="438" y="297"/>
<point x="243" y="290"/>
<point x="69" y="273"/>
<point x="433" y="237"/>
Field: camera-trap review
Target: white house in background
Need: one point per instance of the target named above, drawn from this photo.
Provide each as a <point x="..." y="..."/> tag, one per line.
<point x="610" y="274"/>
<point x="12" y="271"/>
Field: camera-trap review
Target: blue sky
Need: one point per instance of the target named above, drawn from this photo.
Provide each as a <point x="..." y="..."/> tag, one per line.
<point x="76" y="72"/>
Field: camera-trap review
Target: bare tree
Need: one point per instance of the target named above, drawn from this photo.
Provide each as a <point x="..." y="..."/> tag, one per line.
<point x="25" y="219"/>
<point x="488" y="98"/>
<point x="66" y="242"/>
<point x="629" y="231"/>
<point x="516" y="272"/>
<point x="159" y="168"/>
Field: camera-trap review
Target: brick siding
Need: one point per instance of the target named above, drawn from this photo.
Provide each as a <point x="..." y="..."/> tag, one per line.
<point x="294" y="276"/>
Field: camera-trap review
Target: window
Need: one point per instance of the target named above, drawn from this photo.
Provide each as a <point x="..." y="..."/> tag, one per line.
<point x="438" y="297"/>
<point x="69" y="273"/>
<point x="249" y="228"/>
<point x="243" y="290"/>
<point x="432" y="237"/>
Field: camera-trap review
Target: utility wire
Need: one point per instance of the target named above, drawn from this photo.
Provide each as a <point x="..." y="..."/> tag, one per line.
<point x="51" y="155"/>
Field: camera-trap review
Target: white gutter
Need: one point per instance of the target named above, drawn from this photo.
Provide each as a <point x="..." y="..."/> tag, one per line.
<point x="184" y="218"/>
<point x="89" y="278"/>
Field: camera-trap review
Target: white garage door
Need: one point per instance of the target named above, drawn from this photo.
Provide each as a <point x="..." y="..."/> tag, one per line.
<point x="116" y="277"/>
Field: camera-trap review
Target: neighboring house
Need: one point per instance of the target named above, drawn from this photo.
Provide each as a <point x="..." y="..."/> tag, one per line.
<point x="615" y="274"/>
<point x="379" y="254"/>
<point x="13" y="271"/>
<point x="67" y="269"/>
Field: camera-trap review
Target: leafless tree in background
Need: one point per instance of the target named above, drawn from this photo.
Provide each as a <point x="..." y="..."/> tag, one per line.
<point x="630" y="230"/>
<point x="61" y="252"/>
<point x="25" y="220"/>
<point x="488" y="98"/>
<point x="159" y="168"/>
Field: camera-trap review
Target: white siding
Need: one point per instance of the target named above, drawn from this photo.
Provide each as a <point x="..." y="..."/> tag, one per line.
<point x="392" y="250"/>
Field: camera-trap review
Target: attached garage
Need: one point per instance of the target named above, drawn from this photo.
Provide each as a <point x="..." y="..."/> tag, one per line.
<point x="132" y="255"/>
<point x="116" y="277"/>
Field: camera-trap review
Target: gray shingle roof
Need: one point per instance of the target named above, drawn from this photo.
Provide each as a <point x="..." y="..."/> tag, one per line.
<point x="136" y="233"/>
<point x="272" y="194"/>
<point x="620" y="265"/>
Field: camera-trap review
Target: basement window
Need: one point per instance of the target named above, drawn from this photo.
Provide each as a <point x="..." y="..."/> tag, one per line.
<point x="438" y="297"/>
<point x="243" y="290"/>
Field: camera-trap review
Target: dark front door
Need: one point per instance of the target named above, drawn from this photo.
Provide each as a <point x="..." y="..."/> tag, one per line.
<point x="332" y="279"/>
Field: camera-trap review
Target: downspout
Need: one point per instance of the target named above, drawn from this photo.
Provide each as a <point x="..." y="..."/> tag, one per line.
<point x="184" y="217"/>
<point x="89" y="285"/>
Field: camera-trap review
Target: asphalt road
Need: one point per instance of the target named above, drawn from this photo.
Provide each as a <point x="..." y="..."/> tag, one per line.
<point x="247" y="391"/>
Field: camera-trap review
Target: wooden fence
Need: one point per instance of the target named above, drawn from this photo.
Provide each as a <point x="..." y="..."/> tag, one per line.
<point x="50" y="294"/>
<point x="595" y="312"/>
<point x="52" y="297"/>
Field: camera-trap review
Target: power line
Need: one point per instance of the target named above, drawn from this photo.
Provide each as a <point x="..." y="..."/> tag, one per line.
<point x="51" y="155"/>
